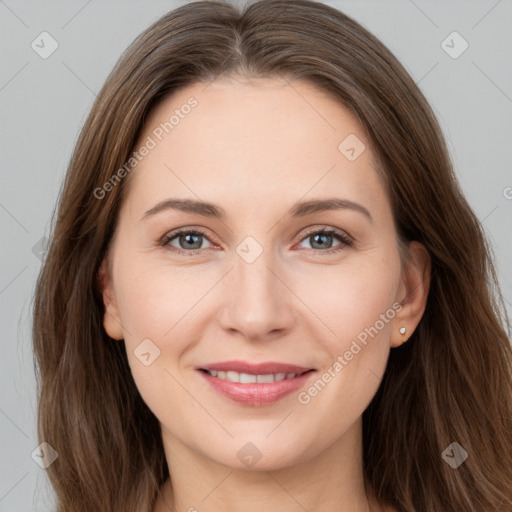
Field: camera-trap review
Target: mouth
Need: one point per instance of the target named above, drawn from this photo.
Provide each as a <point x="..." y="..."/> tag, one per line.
<point x="247" y="378"/>
<point x="255" y="384"/>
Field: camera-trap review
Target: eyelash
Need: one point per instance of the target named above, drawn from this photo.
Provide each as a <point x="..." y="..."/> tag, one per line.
<point x="346" y="241"/>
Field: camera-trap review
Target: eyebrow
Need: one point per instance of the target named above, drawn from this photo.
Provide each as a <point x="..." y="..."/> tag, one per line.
<point x="299" y="209"/>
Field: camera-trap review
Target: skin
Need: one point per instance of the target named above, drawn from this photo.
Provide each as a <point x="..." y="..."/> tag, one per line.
<point x="256" y="147"/>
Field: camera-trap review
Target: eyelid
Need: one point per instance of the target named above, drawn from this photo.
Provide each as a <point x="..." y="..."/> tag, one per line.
<point x="189" y="229"/>
<point x="329" y="230"/>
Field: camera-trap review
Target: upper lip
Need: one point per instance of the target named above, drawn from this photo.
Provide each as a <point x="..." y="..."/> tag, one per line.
<point x="255" y="369"/>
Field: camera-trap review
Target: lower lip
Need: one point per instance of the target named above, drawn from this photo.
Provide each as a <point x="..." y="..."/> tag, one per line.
<point x="256" y="394"/>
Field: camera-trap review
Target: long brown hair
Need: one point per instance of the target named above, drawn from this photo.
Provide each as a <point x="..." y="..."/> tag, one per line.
<point x="452" y="382"/>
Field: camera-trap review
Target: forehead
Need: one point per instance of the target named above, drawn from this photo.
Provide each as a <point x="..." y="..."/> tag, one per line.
<point x="252" y="140"/>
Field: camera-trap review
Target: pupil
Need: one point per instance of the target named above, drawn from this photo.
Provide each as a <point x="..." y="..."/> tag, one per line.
<point x="321" y="235"/>
<point x="189" y="237"/>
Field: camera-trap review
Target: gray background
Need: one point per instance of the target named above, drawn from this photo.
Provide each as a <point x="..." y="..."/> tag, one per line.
<point x="44" y="103"/>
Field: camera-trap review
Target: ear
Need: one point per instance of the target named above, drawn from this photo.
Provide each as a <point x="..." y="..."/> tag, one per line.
<point x="111" y="318"/>
<point x="412" y="294"/>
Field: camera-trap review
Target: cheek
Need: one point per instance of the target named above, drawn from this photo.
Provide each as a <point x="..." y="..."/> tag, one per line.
<point x="358" y="309"/>
<point x="350" y="299"/>
<point x="151" y="304"/>
<point x="153" y="300"/>
<point x="154" y="309"/>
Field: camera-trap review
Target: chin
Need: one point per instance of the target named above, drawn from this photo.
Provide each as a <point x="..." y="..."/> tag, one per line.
<point x="258" y="455"/>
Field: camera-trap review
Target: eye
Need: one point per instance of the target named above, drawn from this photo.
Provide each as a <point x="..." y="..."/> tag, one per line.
<point x="321" y="239"/>
<point x="187" y="239"/>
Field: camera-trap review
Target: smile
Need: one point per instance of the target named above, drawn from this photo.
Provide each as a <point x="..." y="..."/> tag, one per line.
<point x="247" y="378"/>
<point x="255" y="385"/>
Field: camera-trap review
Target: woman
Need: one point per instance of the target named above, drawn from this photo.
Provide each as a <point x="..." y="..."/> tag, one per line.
<point x="369" y="370"/>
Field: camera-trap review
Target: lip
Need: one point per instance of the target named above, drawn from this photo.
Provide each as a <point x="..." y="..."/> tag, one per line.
<point x="254" y="369"/>
<point x="256" y="394"/>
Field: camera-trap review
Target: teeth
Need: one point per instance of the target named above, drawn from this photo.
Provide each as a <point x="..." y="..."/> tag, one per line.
<point x="233" y="376"/>
<point x="246" y="378"/>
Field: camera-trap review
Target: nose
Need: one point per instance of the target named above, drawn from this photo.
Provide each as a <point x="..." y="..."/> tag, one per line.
<point x="259" y="302"/>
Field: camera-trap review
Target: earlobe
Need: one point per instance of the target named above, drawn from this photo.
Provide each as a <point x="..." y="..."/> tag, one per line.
<point x="111" y="317"/>
<point x="414" y="290"/>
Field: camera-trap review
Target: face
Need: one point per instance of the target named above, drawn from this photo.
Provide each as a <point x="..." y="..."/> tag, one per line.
<point x="271" y="279"/>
